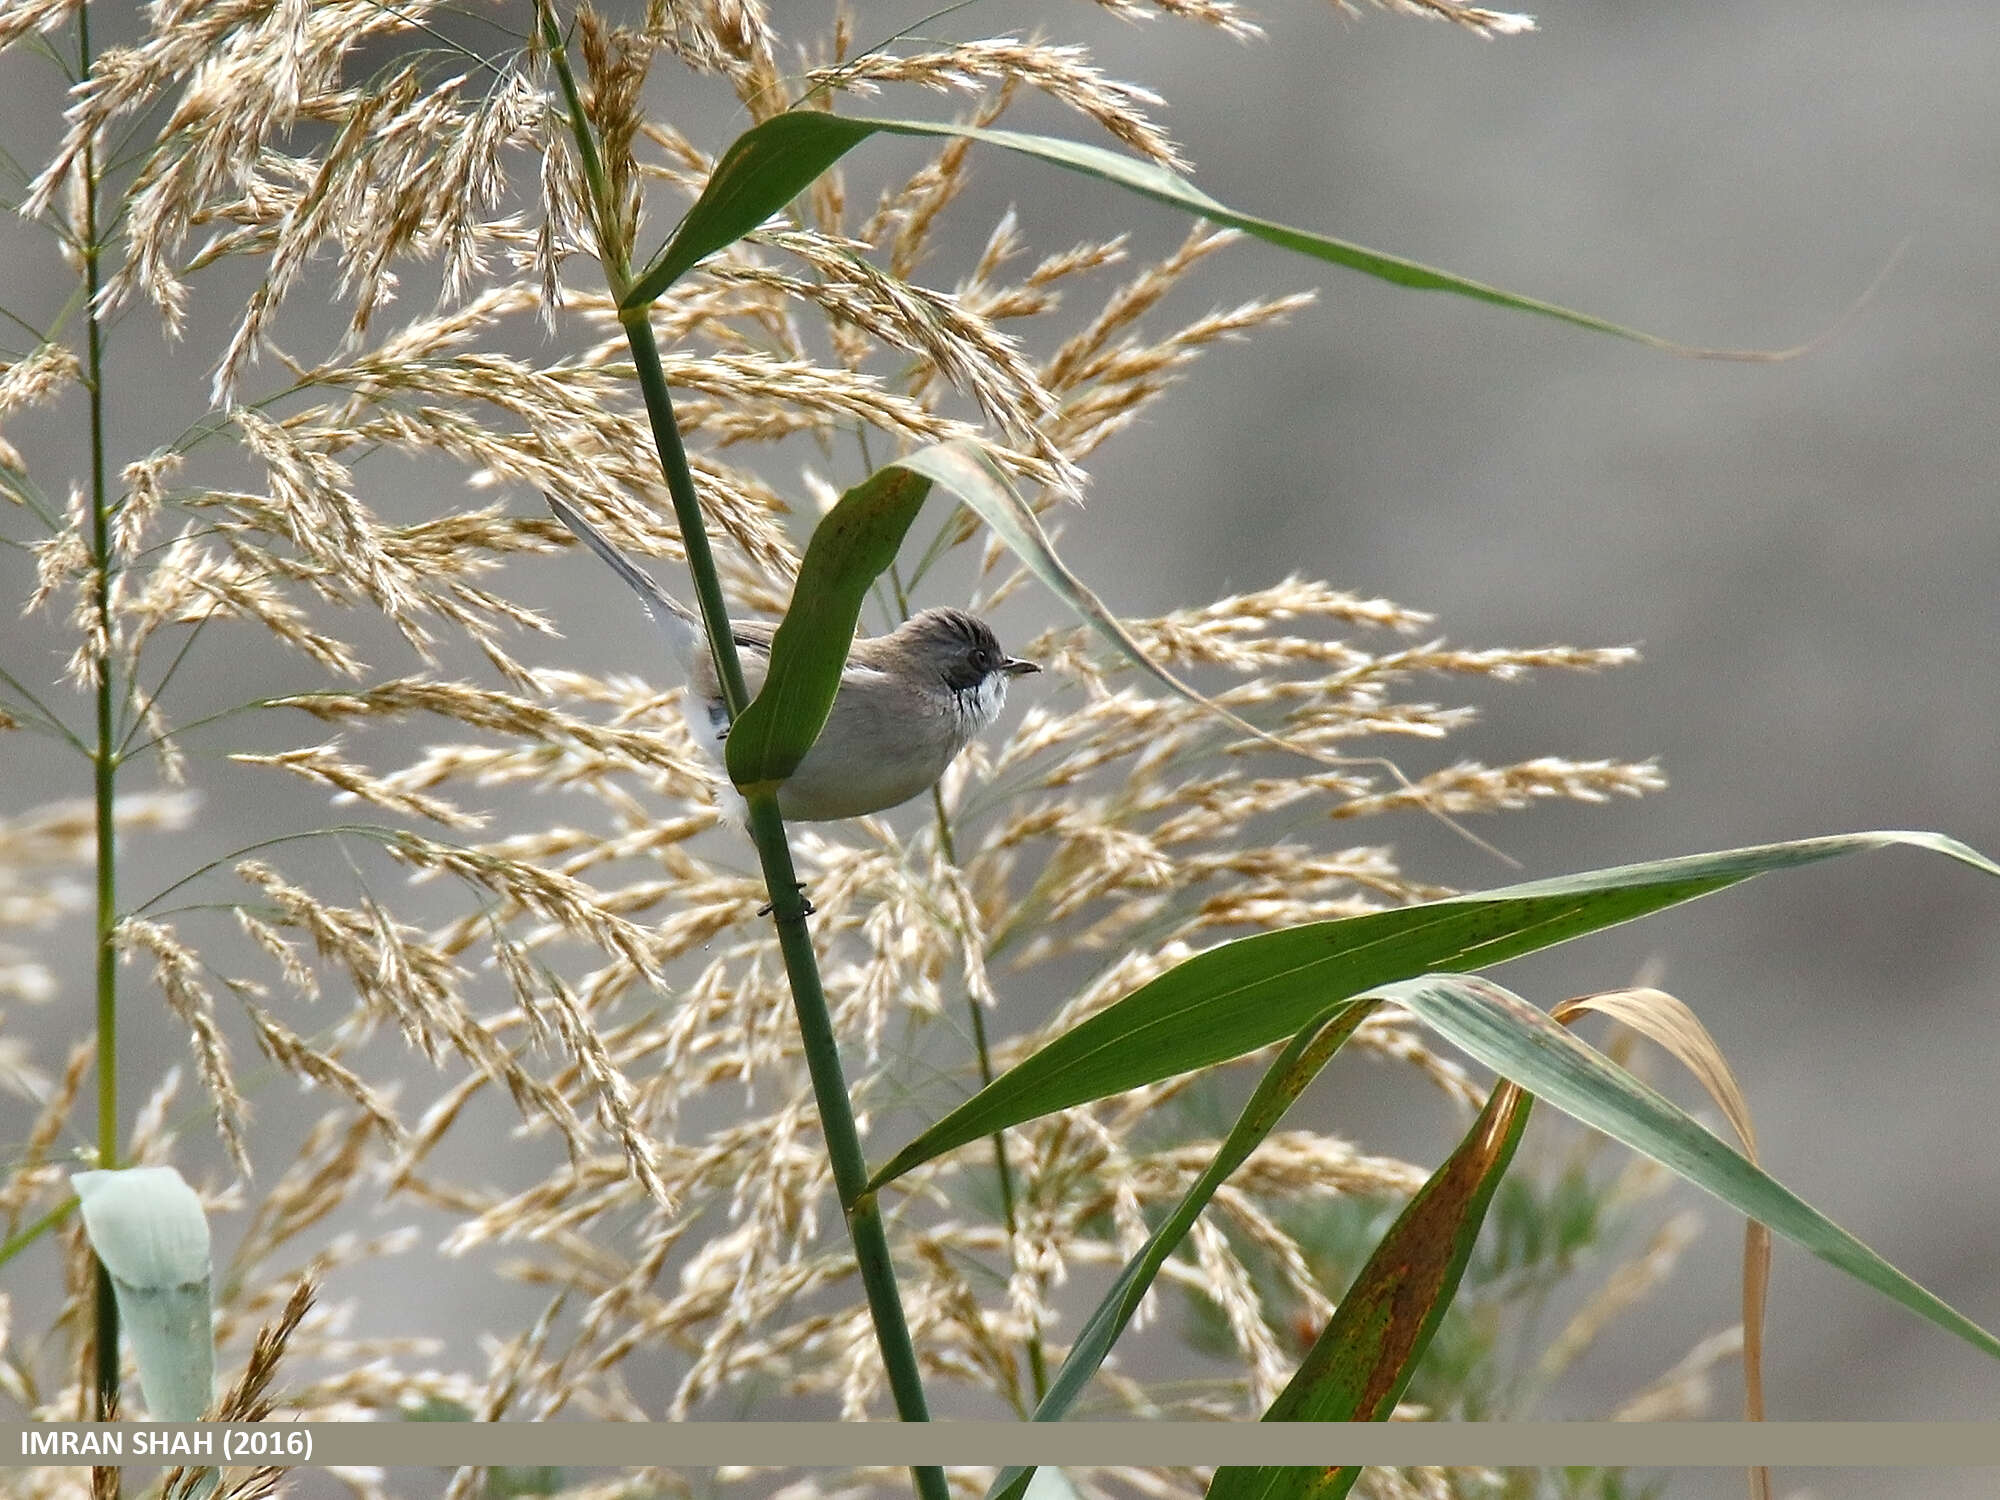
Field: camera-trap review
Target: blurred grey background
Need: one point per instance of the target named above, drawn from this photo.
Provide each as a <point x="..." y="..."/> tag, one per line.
<point x="1805" y="551"/>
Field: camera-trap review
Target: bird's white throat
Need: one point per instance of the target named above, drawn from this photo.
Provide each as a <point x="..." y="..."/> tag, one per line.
<point x="975" y="708"/>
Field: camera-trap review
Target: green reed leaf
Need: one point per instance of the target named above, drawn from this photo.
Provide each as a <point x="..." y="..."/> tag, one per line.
<point x="1360" y="1365"/>
<point x="773" y="162"/>
<point x="1257" y="990"/>
<point x="849" y="549"/>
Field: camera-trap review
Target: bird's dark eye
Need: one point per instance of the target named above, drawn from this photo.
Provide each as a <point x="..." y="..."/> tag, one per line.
<point x="982" y="659"/>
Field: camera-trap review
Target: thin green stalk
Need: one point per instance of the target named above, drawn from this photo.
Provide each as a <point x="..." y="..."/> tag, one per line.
<point x="105" y="758"/>
<point x="13" y="166"/>
<point x="1038" y="1362"/>
<point x="767" y="827"/>
<point x="611" y="251"/>
<point x="138" y="715"/>
<point x="28" y="493"/>
<point x="938" y="544"/>
<point x="687" y="510"/>
<point x="129" y="751"/>
<point x="376" y="831"/>
<point x="42" y="712"/>
<point x="22" y="1239"/>
<point x="12" y="317"/>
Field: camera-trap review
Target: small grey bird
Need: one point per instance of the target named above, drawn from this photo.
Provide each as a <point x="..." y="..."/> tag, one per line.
<point x="909" y="701"/>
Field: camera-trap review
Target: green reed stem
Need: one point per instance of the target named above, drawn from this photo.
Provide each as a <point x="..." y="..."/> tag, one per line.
<point x="767" y="827"/>
<point x="1038" y="1361"/>
<point x="105" y="757"/>
<point x="788" y="911"/>
<point x="843" y="1141"/>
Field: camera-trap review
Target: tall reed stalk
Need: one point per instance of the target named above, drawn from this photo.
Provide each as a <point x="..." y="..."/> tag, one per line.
<point x="104" y="758"/>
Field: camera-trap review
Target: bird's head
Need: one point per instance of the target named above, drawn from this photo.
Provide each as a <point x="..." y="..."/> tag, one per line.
<point x="950" y="652"/>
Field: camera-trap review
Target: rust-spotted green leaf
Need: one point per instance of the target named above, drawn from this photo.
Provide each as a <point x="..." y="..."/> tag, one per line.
<point x="1258" y="990"/>
<point x="850" y="547"/>
<point x="1281" y="1085"/>
<point x="774" y="161"/>
<point x="1359" y="1367"/>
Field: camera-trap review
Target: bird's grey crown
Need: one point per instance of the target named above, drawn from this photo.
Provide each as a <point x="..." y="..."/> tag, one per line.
<point x="968" y="651"/>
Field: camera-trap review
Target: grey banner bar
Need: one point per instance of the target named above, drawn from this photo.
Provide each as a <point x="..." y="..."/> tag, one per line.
<point x="1075" y="1444"/>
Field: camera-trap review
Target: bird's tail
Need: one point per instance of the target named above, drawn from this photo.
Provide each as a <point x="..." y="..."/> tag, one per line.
<point x="674" y="619"/>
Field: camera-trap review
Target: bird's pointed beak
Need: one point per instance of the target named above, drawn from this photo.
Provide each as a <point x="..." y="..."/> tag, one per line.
<point x="1013" y="666"/>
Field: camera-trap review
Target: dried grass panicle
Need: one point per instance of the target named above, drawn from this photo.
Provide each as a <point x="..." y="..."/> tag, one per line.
<point x="324" y="765"/>
<point x="896" y="314"/>
<point x="1471" y="787"/>
<point x="1474" y="18"/>
<point x="242" y="73"/>
<point x="31" y="1177"/>
<point x="177" y="970"/>
<point x="1226" y="1283"/>
<point x="34" y="378"/>
<point x="61" y="558"/>
<point x="396" y="973"/>
<point x="649" y="750"/>
<point x="616" y="61"/>
<point x="1064" y="73"/>
<point x="250" y="1398"/>
<point x="34" y="15"/>
<point x="1081" y="355"/>
<point x="1224" y="15"/>
<point x="295" y="1054"/>
<point x="192" y="583"/>
<point x="1628" y="1283"/>
<point x="596" y="969"/>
